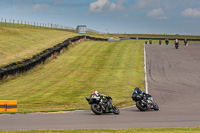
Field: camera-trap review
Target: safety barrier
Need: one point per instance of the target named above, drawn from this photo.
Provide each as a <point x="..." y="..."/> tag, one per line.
<point x="8" y="105"/>
<point x="27" y="64"/>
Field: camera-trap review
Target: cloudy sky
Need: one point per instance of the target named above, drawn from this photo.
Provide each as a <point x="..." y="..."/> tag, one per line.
<point x="114" y="16"/>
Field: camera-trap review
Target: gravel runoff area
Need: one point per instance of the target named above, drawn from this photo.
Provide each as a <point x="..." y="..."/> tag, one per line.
<point x="173" y="81"/>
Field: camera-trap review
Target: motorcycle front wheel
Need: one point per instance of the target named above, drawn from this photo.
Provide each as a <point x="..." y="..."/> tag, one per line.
<point x="96" y="109"/>
<point x="155" y="107"/>
<point x="115" y="110"/>
<point x="141" y="106"/>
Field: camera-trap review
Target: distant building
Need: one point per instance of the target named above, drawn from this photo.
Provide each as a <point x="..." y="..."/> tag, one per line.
<point x="81" y="29"/>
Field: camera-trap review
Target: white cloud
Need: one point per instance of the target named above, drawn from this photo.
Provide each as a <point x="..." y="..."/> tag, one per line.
<point x="157" y="13"/>
<point x="143" y="4"/>
<point x="101" y="6"/>
<point x="39" y="7"/>
<point x="191" y="12"/>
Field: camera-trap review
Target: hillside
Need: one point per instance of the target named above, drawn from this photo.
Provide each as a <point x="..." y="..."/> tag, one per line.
<point x="18" y="44"/>
<point x="60" y="84"/>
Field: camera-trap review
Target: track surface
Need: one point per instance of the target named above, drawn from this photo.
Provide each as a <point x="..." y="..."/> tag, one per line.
<point x="174" y="82"/>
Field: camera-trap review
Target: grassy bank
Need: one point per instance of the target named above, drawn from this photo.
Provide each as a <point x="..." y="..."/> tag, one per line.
<point x="18" y="44"/>
<point x="111" y="68"/>
<point x="161" y="130"/>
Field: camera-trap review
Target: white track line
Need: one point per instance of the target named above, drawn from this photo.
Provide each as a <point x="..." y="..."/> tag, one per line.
<point x="145" y="70"/>
<point x="128" y="107"/>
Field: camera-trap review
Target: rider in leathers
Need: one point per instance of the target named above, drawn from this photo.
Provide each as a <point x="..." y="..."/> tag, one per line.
<point x="106" y="99"/>
<point x="185" y="42"/>
<point x="176" y="42"/>
<point x="137" y="93"/>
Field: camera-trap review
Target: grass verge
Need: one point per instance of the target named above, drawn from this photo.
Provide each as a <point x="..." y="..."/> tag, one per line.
<point x="111" y="68"/>
<point x="18" y="44"/>
<point x="161" y="130"/>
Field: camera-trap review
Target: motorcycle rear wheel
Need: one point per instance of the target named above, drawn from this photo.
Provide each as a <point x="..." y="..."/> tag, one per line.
<point x="96" y="109"/>
<point x="141" y="106"/>
<point x="115" y="110"/>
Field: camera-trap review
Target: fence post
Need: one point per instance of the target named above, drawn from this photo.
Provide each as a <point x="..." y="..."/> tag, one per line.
<point x="34" y="25"/>
<point x="13" y="23"/>
<point x="9" y="22"/>
<point x="5" y="22"/>
<point x="37" y="25"/>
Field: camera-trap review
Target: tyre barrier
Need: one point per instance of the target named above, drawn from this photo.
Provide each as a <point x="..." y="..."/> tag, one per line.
<point x="8" y="105"/>
<point x="124" y="38"/>
<point x="28" y="64"/>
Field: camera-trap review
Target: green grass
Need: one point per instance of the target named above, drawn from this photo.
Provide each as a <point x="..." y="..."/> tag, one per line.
<point x="18" y="44"/>
<point x="111" y="68"/>
<point x="146" y="35"/>
<point x="161" y="130"/>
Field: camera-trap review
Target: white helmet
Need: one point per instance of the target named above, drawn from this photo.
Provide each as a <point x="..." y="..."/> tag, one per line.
<point x="95" y="92"/>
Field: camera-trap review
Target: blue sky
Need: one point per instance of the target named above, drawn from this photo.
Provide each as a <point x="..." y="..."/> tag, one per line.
<point x="114" y="16"/>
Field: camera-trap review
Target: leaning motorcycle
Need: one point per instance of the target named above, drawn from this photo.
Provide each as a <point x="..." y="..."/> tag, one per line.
<point x="145" y="102"/>
<point x="100" y="106"/>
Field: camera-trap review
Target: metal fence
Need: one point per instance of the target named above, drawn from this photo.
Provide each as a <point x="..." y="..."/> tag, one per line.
<point x="12" y="23"/>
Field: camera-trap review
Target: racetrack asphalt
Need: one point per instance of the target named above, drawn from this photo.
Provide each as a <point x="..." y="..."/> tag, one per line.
<point x="173" y="81"/>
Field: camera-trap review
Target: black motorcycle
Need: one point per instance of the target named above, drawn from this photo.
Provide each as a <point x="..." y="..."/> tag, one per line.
<point x="176" y="45"/>
<point x="185" y="42"/>
<point x="145" y="102"/>
<point x="166" y="41"/>
<point x="99" y="105"/>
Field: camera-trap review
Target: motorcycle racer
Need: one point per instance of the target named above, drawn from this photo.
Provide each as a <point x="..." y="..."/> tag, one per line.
<point x="143" y="100"/>
<point x="185" y="42"/>
<point x="106" y="99"/>
<point x="137" y="93"/>
<point x="176" y="42"/>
